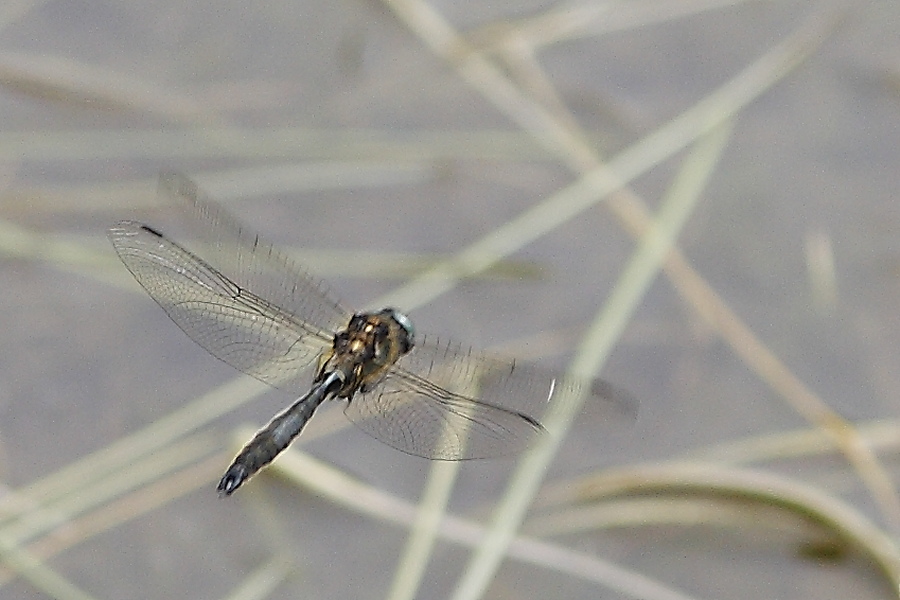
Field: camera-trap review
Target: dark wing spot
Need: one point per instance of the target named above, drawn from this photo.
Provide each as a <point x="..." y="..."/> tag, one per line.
<point x="150" y="230"/>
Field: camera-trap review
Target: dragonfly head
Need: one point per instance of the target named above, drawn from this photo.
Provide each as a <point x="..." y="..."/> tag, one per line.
<point x="406" y="326"/>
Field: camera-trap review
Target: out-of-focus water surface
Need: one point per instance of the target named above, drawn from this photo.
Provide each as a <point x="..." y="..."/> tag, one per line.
<point x="331" y="128"/>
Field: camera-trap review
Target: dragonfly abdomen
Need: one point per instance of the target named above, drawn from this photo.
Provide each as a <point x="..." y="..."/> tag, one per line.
<point x="271" y="440"/>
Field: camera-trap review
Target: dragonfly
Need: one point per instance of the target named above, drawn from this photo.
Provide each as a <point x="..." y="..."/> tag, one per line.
<point x="250" y="305"/>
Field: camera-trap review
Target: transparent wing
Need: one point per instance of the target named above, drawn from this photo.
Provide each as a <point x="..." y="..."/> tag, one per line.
<point x="231" y="322"/>
<point x="445" y="402"/>
<point x="240" y="255"/>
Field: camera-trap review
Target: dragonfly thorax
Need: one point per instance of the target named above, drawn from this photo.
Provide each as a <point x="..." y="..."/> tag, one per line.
<point x="363" y="351"/>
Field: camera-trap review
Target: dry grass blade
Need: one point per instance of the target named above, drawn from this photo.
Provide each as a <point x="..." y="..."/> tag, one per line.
<point x="301" y="144"/>
<point x="283" y="179"/>
<point x="296" y="178"/>
<point x="705" y="479"/>
<point x="584" y="518"/>
<point x="40" y="575"/>
<point x="821" y="271"/>
<point x="879" y="435"/>
<point x="63" y="79"/>
<point x="262" y="582"/>
<point x="477" y="71"/>
<point x="596" y="345"/>
<point x="572" y="21"/>
<point x="424" y="531"/>
<point x="74" y="257"/>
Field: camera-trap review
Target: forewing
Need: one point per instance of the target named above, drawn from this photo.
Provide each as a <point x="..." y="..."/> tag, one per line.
<point x="446" y="402"/>
<point x="231" y="322"/>
<point x="240" y="255"/>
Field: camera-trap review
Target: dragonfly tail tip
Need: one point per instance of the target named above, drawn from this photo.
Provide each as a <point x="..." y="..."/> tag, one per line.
<point x="231" y="481"/>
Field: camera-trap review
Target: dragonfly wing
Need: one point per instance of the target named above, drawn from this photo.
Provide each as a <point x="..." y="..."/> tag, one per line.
<point x="444" y="401"/>
<point x="416" y="417"/>
<point x="240" y="255"/>
<point x="232" y="323"/>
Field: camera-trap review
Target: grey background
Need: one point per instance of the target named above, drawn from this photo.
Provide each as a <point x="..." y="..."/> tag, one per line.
<point x="84" y="363"/>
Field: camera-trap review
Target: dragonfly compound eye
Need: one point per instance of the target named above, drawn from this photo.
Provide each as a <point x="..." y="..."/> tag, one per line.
<point x="407" y="326"/>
